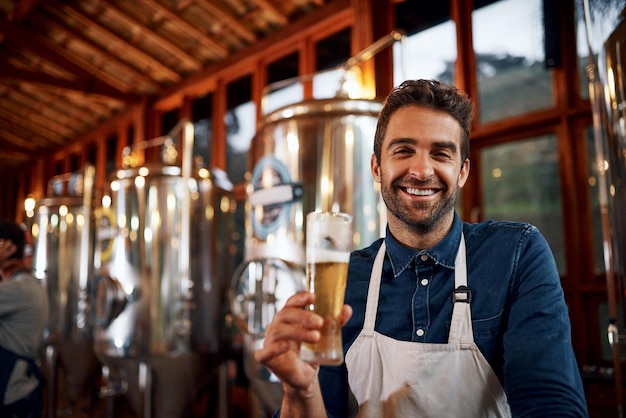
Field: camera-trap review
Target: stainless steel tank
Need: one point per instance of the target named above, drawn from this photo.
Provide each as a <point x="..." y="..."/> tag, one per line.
<point x="63" y="243"/>
<point x="607" y="94"/>
<point x="159" y="286"/>
<point x="313" y="155"/>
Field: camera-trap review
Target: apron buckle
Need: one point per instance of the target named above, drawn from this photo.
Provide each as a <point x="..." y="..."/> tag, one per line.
<point x="462" y="294"/>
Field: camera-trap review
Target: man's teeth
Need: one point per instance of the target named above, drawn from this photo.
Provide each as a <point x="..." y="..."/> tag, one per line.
<point x="420" y="192"/>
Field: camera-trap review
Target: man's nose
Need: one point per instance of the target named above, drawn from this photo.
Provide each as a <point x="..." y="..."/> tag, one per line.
<point x="422" y="166"/>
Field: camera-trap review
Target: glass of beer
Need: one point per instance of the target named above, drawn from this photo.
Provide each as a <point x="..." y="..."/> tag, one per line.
<point x="328" y="246"/>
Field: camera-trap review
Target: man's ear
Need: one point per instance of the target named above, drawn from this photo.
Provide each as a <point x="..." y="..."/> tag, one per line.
<point x="375" y="168"/>
<point x="464" y="174"/>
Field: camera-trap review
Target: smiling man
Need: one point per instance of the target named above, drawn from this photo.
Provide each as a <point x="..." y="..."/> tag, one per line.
<point x="442" y="318"/>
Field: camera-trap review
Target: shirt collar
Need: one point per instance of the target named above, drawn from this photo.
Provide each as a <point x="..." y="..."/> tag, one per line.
<point x="443" y="253"/>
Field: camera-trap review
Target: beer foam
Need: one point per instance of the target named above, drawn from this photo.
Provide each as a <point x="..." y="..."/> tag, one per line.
<point x="321" y="255"/>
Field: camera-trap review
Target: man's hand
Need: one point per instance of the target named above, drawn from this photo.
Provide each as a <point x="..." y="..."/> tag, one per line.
<point x="291" y="326"/>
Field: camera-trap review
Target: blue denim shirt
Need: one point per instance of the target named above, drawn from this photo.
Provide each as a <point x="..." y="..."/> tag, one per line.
<point x="519" y="316"/>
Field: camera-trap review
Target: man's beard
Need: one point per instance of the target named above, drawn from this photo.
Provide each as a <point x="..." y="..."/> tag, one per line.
<point x="411" y="215"/>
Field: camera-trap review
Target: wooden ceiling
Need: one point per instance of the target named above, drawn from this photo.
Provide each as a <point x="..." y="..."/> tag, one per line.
<point x="68" y="66"/>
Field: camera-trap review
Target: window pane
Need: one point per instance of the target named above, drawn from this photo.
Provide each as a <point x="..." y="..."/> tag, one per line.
<point x="427" y="54"/>
<point x="240" y="120"/>
<point x="283" y="96"/>
<point x="508" y="43"/>
<point x="202" y="108"/>
<point x="326" y="84"/>
<point x="520" y="182"/>
<point x="604" y="19"/>
<point x="331" y="53"/>
<point x="284" y="87"/>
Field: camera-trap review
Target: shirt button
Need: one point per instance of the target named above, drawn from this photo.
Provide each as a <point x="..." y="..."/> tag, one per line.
<point x="419" y="332"/>
<point x="424" y="257"/>
<point x="424" y="282"/>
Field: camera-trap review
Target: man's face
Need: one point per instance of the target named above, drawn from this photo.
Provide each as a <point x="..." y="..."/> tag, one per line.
<point x="420" y="169"/>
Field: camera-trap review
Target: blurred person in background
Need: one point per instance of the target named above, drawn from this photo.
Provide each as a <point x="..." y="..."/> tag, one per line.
<point x="23" y="316"/>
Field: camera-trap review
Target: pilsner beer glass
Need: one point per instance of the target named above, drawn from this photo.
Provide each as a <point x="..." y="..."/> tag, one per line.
<point x="328" y="246"/>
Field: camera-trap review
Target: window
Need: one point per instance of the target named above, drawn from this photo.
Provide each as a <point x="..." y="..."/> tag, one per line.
<point x="508" y="44"/>
<point x="283" y="86"/>
<point x="240" y="127"/>
<point x="520" y="182"/>
<point x="202" y="109"/>
<point x="331" y="53"/>
<point x="429" y="50"/>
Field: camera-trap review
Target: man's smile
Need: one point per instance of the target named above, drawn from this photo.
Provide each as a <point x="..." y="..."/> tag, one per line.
<point x="419" y="192"/>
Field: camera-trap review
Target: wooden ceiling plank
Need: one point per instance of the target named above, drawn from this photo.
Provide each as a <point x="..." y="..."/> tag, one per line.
<point x="220" y="51"/>
<point x="8" y="123"/>
<point x="57" y="54"/>
<point x="37" y="123"/>
<point x="64" y="106"/>
<point x="90" y="86"/>
<point x="12" y="142"/>
<point x="148" y="59"/>
<point x="47" y="108"/>
<point x="267" y="6"/>
<point x="230" y="21"/>
<point x="8" y="155"/>
<point x="139" y="76"/>
<point x="22" y="9"/>
<point x="152" y="35"/>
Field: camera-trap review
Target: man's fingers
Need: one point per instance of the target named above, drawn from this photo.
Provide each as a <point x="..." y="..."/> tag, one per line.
<point x="346" y="314"/>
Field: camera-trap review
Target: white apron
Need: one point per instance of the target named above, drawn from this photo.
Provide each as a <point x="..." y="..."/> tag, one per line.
<point x="392" y="378"/>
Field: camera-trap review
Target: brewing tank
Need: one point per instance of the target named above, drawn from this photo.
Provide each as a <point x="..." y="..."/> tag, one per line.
<point x="313" y="155"/>
<point x="613" y="147"/>
<point x="608" y="103"/>
<point x="63" y="233"/>
<point x="159" y="285"/>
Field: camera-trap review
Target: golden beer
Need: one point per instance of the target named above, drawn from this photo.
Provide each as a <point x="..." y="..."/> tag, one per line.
<point x="328" y="281"/>
<point x="328" y="246"/>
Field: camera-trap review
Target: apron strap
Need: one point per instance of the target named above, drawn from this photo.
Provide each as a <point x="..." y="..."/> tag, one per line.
<point x="373" y="290"/>
<point x="461" y="323"/>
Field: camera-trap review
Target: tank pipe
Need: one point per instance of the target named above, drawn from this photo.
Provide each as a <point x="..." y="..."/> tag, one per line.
<point x="596" y="97"/>
<point x="159" y="140"/>
<point x="183" y="260"/>
<point x="83" y="276"/>
<point x="363" y="55"/>
<point x="373" y="49"/>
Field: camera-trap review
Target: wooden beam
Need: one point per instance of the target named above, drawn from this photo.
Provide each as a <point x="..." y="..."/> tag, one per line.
<point x="229" y="20"/>
<point x="337" y="14"/>
<point x="115" y="41"/>
<point x="139" y="78"/>
<point x="194" y="33"/>
<point x="57" y="55"/>
<point x="265" y="5"/>
<point x="140" y="29"/>
<point x="22" y="116"/>
<point x="22" y="9"/>
<point x="89" y="86"/>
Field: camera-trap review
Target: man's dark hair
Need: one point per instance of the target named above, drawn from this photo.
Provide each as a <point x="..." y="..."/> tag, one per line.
<point x="11" y="231"/>
<point x="429" y="94"/>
